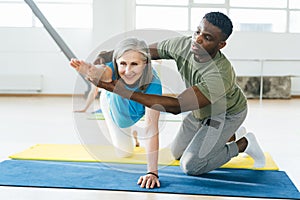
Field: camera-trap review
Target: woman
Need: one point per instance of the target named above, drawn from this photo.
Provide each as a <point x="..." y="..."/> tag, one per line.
<point x="132" y="66"/>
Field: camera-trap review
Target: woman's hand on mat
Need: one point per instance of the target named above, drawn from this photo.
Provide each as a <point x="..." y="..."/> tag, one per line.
<point x="81" y="66"/>
<point x="148" y="181"/>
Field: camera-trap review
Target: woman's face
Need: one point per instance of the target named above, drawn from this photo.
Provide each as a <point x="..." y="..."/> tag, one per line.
<point x="131" y="66"/>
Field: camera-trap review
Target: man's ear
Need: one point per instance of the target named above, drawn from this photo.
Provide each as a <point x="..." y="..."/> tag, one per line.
<point x="222" y="44"/>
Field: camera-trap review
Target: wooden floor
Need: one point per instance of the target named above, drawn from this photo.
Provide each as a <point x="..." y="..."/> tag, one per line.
<point x="26" y="121"/>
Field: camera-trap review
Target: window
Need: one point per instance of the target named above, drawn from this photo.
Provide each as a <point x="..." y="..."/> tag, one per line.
<point x="247" y="15"/>
<point x="163" y="2"/>
<point x="15" y="15"/>
<point x="60" y="13"/>
<point x="66" y="15"/>
<point x="149" y="16"/>
<point x="259" y="3"/>
<point x="294" y="22"/>
<point x="294" y="4"/>
<point x="209" y="1"/>
<point x="198" y="13"/>
<point x="258" y="20"/>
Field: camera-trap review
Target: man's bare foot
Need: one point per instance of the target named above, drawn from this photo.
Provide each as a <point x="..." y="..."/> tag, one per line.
<point x="238" y="134"/>
<point x="232" y="139"/>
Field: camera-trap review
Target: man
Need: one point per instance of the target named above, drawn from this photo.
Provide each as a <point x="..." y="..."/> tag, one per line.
<point x="218" y="105"/>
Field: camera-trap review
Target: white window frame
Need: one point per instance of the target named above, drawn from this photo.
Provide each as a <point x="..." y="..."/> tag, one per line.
<point x="35" y="20"/>
<point x="227" y="7"/>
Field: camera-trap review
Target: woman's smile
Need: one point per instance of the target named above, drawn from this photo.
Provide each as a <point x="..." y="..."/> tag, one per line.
<point x="131" y="66"/>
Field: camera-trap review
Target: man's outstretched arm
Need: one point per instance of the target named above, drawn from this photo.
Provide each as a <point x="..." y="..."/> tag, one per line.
<point x="104" y="57"/>
<point x="190" y="99"/>
<point x="107" y="56"/>
<point x="154" y="52"/>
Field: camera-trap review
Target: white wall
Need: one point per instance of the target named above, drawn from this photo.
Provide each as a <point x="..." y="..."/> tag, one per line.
<point x="265" y="47"/>
<point x="32" y="50"/>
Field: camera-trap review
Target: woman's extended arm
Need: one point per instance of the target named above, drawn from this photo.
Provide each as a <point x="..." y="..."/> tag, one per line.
<point x="93" y="72"/>
<point x="150" y="180"/>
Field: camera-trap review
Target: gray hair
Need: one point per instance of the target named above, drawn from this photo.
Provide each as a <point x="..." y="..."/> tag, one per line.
<point x="141" y="47"/>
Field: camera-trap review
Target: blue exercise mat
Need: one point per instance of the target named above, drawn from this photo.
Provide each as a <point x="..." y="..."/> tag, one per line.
<point x="123" y="177"/>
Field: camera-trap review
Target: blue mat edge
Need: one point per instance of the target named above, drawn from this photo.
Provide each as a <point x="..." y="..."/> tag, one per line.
<point x="295" y="197"/>
<point x="157" y="190"/>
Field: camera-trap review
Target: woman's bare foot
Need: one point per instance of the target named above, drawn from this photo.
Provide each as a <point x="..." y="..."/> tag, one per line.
<point x="137" y="143"/>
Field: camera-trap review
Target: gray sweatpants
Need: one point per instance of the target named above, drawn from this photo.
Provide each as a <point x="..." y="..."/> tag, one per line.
<point x="202" y="145"/>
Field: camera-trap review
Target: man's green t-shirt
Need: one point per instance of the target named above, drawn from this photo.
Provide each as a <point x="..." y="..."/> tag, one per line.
<point x="215" y="79"/>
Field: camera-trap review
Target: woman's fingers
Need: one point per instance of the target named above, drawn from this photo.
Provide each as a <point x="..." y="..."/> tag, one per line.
<point x="75" y="63"/>
<point x="148" y="182"/>
<point x="140" y="180"/>
<point x="157" y="183"/>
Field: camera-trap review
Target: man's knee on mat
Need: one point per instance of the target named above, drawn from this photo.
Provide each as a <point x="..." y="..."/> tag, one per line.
<point x="193" y="165"/>
<point x="175" y="153"/>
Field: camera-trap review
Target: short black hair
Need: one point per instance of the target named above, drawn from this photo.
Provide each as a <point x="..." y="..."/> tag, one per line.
<point x="221" y="21"/>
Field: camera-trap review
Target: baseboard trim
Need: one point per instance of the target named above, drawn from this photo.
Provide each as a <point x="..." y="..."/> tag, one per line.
<point x="37" y="95"/>
<point x="70" y="95"/>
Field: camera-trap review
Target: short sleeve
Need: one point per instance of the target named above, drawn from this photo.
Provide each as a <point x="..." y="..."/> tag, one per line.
<point x="172" y="48"/>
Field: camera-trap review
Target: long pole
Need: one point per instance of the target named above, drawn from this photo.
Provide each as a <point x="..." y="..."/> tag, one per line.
<point x="59" y="41"/>
<point x="55" y="36"/>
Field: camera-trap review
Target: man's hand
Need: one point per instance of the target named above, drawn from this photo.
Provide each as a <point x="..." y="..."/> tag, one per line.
<point x="104" y="57"/>
<point x="109" y="86"/>
<point x="100" y="60"/>
<point x="115" y="86"/>
<point x="97" y="73"/>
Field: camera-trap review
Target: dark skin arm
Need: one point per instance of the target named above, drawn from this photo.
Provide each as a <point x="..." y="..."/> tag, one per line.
<point x="106" y="56"/>
<point x="189" y="99"/>
<point x="153" y="51"/>
<point x="103" y="57"/>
